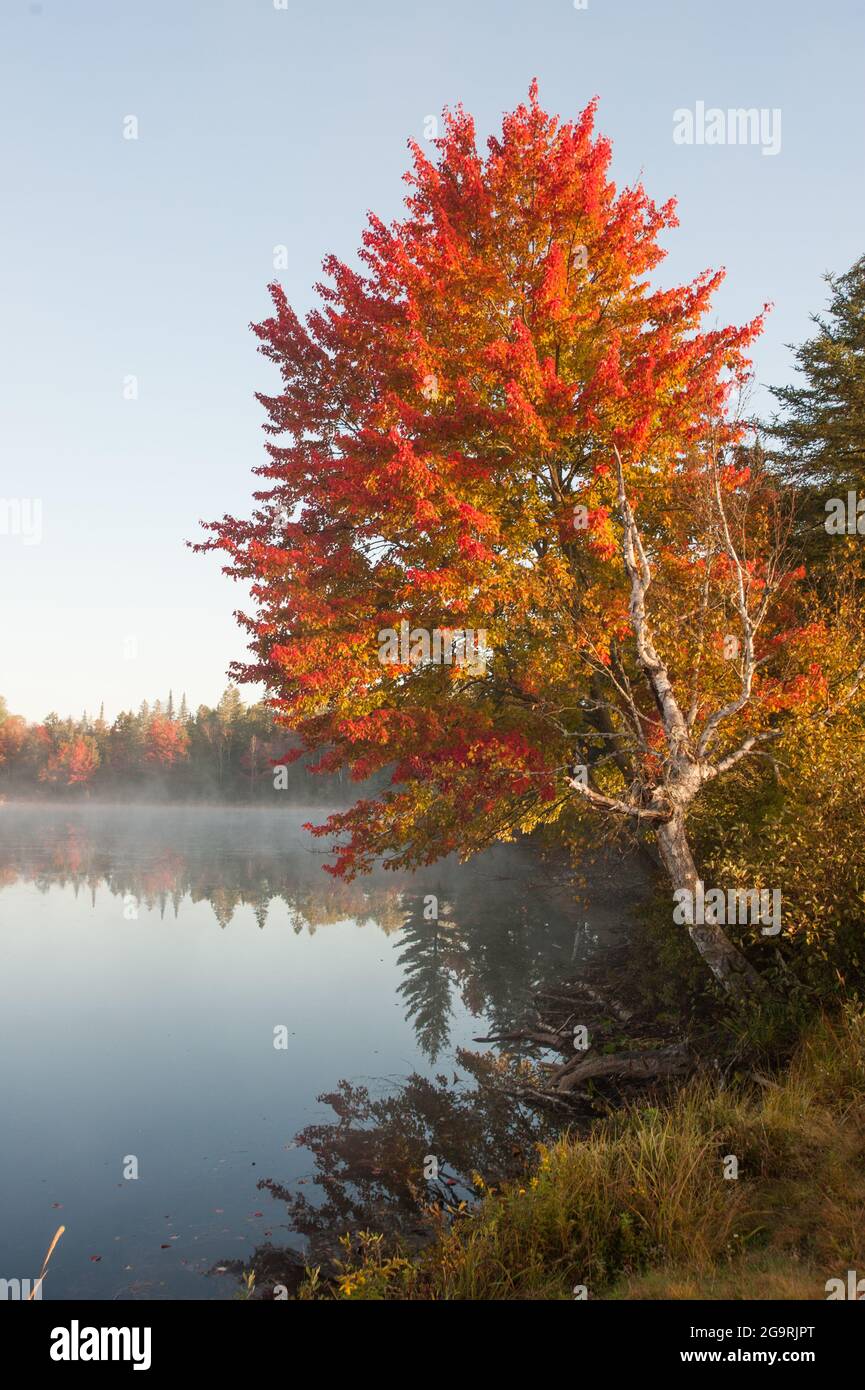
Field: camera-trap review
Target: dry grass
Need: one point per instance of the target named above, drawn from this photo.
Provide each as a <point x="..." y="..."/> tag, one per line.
<point x="34" y="1291"/>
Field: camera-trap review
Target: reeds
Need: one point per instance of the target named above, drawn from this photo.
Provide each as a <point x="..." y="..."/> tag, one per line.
<point x="34" y="1291"/>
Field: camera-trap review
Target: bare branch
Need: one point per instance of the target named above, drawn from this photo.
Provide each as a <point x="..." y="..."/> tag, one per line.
<point x="639" y="572"/>
<point x="612" y="803"/>
<point x="749" y="623"/>
<point x="711" y="770"/>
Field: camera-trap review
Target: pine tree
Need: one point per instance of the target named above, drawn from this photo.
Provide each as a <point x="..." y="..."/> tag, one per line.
<point x="822" y="432"/>
<point x="230" y="707"/>
<point x="184" y="709"/>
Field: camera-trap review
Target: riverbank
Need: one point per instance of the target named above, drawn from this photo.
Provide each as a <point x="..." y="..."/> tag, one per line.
<point x="754" y="1190"/>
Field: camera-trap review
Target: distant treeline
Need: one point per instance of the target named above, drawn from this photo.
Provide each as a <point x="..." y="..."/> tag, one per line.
<point x="162" y="752"/>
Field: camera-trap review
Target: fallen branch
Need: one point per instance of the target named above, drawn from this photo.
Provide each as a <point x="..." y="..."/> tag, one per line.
<point x="636" y="1065"/>
<point x="555" y="1041"/>
<point x="603" y="1001"/>
<point x="531" y="1094"/>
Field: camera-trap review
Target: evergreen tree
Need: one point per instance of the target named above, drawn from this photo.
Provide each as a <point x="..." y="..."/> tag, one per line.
<point x="426" y="986"/>
<point x="230" y="708"/>
<point x="822" y="430"/>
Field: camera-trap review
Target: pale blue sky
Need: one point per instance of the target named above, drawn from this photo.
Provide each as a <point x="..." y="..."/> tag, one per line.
<point x="261" y="126"/>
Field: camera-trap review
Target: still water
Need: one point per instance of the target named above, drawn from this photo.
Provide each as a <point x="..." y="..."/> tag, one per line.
<point x="147" y="956"/>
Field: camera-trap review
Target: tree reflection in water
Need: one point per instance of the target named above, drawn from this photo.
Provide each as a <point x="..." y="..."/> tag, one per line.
<point x="501" y="931"/>
<point x="371" y="1160"/>
<point x="506" y="923"/>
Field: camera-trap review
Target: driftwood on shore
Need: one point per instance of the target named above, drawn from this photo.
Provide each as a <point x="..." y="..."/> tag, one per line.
<point x="635" y="1065"/>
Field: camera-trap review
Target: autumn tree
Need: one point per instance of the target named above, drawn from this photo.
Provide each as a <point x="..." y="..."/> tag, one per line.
<point x="166" y="742"/>
<point x="494" y="422"/>
<point x="73" y="762"/>
<point x="13" y="734"/>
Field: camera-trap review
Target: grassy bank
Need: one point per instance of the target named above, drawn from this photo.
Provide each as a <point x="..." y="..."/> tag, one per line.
<point x="641" y="1207"/>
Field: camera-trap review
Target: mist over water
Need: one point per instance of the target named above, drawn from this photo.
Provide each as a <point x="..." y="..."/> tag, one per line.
<point x="146" y="956"/>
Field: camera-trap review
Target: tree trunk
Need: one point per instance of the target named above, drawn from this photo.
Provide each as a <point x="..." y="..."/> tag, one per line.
<point x="728" y="965"/>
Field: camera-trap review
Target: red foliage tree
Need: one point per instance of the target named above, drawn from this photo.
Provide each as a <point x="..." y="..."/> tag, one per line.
<point x="166" y="742"/>
<point x="73" y="762"/>
<point x="497" y="424"/>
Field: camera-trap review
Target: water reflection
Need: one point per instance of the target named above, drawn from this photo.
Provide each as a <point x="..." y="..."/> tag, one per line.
<point x="148" y="955"/>
<point x="389" y="1163"/>
<point x="502" y="925"/>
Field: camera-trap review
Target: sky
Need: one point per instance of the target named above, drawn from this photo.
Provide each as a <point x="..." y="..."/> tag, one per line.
<point x="130" y="268"/>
